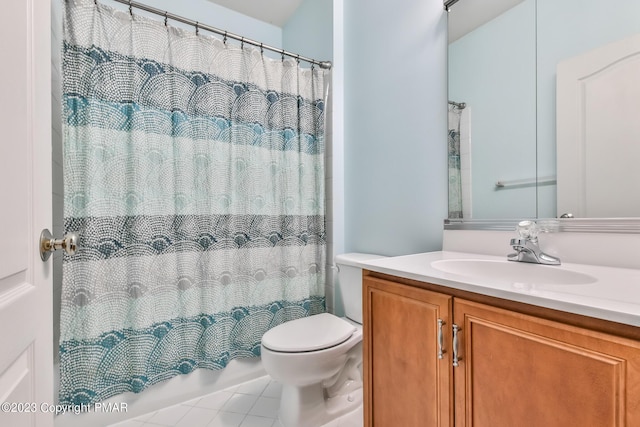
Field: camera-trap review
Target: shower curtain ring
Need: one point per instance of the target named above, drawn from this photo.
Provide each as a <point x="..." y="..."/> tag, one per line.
<point x="241" y="42"/>
<point x="282" y="55"/>
<point x="261" y="49"/>
<point x="130" y="8"/>
<point x="197" y="28"/>
<point x="224" y="40"/>
<point x="298" y="59"/>
<point x="166" y="18"/>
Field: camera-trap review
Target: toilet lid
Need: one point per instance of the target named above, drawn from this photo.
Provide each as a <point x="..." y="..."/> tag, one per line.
<point x="308" y="334"/>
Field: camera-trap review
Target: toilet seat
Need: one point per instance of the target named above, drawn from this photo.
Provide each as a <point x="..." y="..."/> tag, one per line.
<point x="306" y="334"/>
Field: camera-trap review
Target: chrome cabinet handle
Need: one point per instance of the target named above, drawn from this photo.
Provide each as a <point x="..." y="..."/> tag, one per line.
<point x="441" y="350"/>
<point x="48" y="244"/>
<point x="456" y="359"/>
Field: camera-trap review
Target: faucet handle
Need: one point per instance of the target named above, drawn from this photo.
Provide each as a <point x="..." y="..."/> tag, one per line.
<point x="528" y="230"/>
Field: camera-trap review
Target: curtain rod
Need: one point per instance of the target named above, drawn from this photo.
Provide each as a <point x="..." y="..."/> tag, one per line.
<point x="460" y="105"/>
<point x="167" y="15"/>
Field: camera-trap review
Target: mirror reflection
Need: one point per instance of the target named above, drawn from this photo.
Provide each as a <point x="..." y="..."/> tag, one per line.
<point x="551" y="106"/>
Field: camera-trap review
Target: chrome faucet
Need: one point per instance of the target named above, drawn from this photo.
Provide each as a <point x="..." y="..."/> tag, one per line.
<point x="526" y="246"/>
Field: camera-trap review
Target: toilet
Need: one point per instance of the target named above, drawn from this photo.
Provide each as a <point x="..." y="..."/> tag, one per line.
<point x="318" y="359"/>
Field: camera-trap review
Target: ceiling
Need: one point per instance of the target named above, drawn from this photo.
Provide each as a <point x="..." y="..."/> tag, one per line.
<point x="276" y="12"/>
<point x="467" y="15"/>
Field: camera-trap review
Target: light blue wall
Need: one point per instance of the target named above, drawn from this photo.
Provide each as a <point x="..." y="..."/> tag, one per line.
<point x="395" y="125"/>
<point x="493" y="70"/>
<point x="309" y="31"/>
<point x="568" y="28"/>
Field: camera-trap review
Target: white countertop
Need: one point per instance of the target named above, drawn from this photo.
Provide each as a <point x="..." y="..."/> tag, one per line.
<point x="614" y="294"/>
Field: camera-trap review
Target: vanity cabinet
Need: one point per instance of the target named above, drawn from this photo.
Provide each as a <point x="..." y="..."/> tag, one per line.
<point x="406" y="384"/>
<point x="513" y="368"/>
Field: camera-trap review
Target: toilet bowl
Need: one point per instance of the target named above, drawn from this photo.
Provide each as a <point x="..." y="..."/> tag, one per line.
<point x="318" y="359"/>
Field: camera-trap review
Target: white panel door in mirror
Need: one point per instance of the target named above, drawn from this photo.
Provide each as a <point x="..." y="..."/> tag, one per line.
<point x="598" y="132"/>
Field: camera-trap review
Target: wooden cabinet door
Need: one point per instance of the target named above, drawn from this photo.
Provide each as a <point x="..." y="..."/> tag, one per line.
<point x="519" y="370"/>
<point x="406" y="384"/>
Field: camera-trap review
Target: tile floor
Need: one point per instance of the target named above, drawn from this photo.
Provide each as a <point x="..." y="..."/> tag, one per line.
<point x="251" y="404"/>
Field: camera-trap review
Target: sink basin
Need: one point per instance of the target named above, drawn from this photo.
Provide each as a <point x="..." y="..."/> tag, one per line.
<point x="514" y="272"/>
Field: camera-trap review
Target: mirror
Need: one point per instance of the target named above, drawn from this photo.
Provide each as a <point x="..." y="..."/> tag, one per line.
<point x="538" y="137"/>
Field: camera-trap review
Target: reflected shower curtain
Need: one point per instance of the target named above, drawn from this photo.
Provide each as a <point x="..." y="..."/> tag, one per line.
<point x="194" y="175"/>
<point x="455" y="181"/>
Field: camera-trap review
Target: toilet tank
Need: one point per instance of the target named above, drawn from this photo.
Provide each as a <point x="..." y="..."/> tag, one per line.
<point x="350" y="282"/>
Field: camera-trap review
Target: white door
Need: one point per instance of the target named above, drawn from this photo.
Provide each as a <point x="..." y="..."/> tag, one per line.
<point x="598" y="128"/>
<point x="26" y="324"/>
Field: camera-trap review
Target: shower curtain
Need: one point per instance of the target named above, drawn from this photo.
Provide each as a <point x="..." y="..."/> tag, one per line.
<point x="194" y="175"/>
<point x="455" y="181"/>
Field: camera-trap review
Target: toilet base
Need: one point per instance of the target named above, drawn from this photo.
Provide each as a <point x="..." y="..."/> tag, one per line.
<point x="319" y="403"/>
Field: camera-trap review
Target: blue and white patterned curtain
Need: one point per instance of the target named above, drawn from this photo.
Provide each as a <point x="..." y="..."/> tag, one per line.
<point x="455" y="180"/>
<point x="194" y="175"/>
